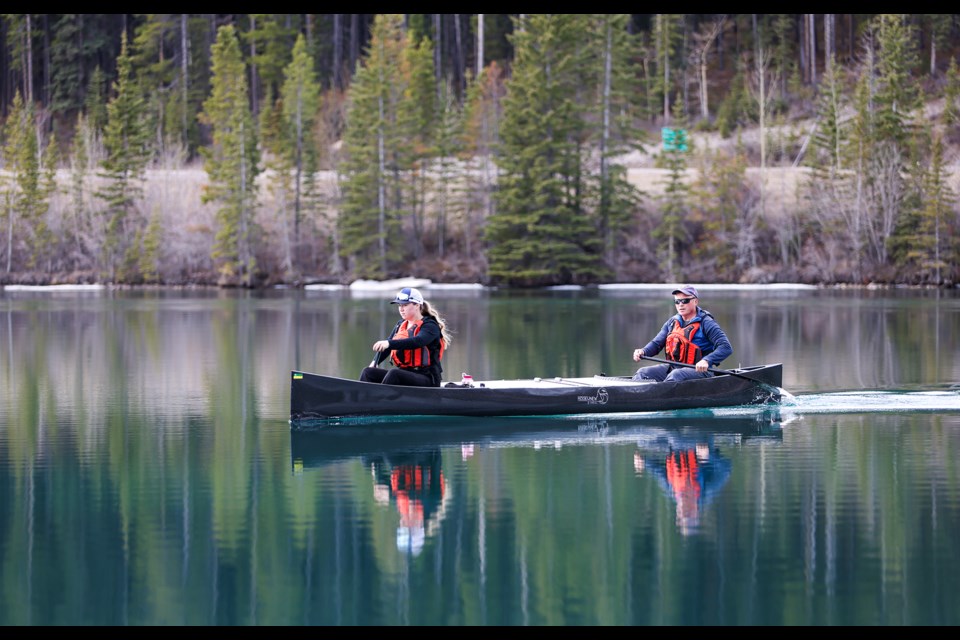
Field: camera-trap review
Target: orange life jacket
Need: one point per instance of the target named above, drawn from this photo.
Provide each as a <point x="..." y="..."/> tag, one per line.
<point x="683" y="472"/>
<point x="413" y="357"/>
<point x="680" y="345"/>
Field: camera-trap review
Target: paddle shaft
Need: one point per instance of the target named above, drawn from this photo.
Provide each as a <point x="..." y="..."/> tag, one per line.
<point x="692" y="366"/>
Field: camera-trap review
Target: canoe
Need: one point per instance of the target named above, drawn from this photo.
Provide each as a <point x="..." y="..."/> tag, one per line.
<point x="318" y="397"/>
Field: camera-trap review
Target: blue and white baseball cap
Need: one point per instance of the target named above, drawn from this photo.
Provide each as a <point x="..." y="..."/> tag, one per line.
<point x="408" y="294"/>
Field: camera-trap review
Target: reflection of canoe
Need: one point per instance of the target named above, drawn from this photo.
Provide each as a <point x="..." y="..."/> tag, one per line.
<point x="320" y="397"/>
<point x="653" y="434"/>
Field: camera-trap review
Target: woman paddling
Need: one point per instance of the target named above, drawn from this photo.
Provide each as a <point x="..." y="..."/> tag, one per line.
<point x="415" y="347"/>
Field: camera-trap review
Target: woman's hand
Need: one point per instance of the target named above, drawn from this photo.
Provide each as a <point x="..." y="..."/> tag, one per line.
<point x="703" y="365"/>
<point x="637" y="354"/>
<point x="381" y="345"/>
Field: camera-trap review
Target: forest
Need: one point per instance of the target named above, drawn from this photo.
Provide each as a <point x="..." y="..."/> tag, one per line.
<point x="515" y="150"/>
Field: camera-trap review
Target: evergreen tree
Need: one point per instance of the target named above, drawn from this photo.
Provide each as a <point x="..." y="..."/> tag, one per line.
<point x="79" y="169"/>
<point x="123" y="169"/>
<point x="418" y="118"/>
<point x="921" y="243"/>
<point x="26" y="191"/>
<point x="153" y="59"/>
<point x="830" y="136"/>
<point x="893" y="147"/>
<point x="670" y="233"/>
<point x="270" y="41"/>
<point x="898" y="94"/>
<point x="152" y="242"/>
<point x="369" y="223"/>
<point x="232" y="162"/>
<point x="66" y="64"/>
<point x="832" y="160"/>
<point x="19" y="35"/>
<point x="301" y="102"/>
<point x="951" y="94"/>
<point x="783" y="50"/>
<point x="668" y="36"/>
<point x="734" y="106"/>
<point x="482" y="113"/>
<point x="540" y="234"/>
<point x="95" y="102"/>
<point x="448" y="144"/>
<point x="617" y="108"/>
<point x="279" y="150"/>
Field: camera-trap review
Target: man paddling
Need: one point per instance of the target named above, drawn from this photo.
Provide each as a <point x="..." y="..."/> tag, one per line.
<point x="691" y="337"/>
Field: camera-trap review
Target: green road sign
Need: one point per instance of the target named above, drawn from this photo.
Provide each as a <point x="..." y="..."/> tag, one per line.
<point x="674" y="139"/>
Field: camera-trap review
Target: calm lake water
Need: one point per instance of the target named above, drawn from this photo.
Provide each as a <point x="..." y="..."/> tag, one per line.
<point x="149" y="475"/>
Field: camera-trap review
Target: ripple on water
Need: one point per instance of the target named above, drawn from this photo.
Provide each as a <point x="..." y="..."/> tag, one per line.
<point x="875" y="401"/>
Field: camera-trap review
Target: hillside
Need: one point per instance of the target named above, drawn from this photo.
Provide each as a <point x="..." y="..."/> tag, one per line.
<point x="174" y="192"/>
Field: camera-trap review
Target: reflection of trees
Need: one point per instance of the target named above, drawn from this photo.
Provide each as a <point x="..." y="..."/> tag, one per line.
<point x="143" y="481"/>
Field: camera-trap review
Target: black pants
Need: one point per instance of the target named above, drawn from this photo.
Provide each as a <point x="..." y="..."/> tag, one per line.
<point x="396" y="376"/>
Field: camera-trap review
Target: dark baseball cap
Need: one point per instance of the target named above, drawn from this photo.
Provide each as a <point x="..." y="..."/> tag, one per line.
<point x="687" y="290"/>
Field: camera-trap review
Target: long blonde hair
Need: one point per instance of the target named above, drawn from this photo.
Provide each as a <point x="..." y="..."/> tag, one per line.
<point x="445" y="334"/>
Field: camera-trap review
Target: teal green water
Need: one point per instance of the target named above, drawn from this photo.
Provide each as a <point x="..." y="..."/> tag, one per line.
<point x="149" y="476"/>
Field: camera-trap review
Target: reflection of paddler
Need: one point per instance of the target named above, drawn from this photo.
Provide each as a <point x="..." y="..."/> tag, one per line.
<point x="415" y="483"/>
<point x="683" y="476"/>
<point x="691" y="476"/>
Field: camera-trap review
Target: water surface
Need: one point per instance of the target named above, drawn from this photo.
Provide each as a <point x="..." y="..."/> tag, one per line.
<point x="149" y="476"/>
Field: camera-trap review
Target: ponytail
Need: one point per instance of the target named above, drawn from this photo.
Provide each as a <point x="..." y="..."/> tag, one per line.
<point x="445" y="334"/>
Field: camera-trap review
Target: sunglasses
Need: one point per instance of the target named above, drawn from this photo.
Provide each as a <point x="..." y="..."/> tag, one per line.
<point x="682" y="300"/>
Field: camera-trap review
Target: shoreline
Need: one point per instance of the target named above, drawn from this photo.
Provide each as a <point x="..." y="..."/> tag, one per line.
<point x="362" y="287"/>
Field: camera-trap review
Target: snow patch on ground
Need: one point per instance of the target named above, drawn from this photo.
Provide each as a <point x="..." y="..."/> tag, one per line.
<point x="54" y="287"/>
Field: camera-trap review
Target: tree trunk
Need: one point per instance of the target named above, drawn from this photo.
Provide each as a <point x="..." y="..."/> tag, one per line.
<point x="337" y="51"/>
<point x="479" y="44"/>
<point x="184" y="72"/>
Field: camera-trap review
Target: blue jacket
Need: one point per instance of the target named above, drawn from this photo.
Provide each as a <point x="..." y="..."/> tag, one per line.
<point x="711" y="339"/>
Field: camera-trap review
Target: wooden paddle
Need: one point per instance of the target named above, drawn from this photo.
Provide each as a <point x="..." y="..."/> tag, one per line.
<point x="692" y="366"/>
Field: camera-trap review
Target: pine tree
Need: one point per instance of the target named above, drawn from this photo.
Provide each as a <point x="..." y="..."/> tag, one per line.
<point x="95" y="103"/>
<point x="670" y="233"/>
<point x="154" y="41"/>
<point x="79" y="169"/>
<point x="830" y="136"/>
<point x="418" y="118"/>
<point x="279" y="149"/>
<point x="370" y="219"/>
<point x="482" y="113"/>
<point x="734" y="107"/>
<point x="893" y="145"/>
<point x="152" y="242"/>
<point x="270" y="40"/>
<point x="448" y="144"/>
<point x="232" y="162"/>
<point x="668" y="36"/>
<point x="66" y="64"/>
<point x="123" y="169"/>
<point x="540" y="233"/>
<point x="301" y="102"/>
<point x="897" y="98"/>
<point x="951" y="110"/>
<point x="921" y="242"/>
<point x="617" y="108"/>
<point x="26" y="191"/>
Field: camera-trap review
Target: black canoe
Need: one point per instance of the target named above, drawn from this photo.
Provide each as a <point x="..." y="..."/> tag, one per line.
<point x="317" y="397"/>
